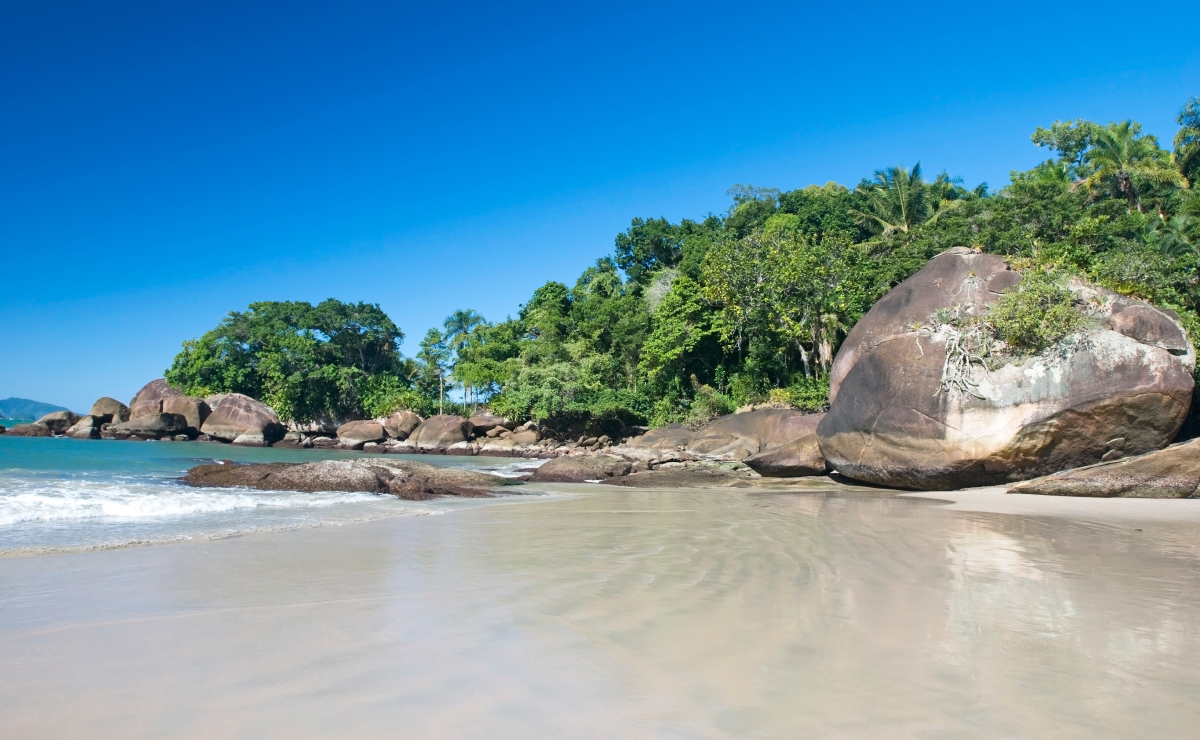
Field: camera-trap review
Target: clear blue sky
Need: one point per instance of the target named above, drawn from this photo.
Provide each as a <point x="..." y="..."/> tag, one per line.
<point x="164" y="163"/>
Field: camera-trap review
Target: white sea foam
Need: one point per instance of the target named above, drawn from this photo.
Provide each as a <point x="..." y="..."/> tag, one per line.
<point x="76" y="499"/>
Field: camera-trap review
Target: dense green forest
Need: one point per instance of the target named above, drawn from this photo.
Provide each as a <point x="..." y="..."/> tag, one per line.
<point x="688" y="320"/>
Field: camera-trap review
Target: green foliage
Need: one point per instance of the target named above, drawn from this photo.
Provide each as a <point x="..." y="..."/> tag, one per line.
<point x="1035" y="314"/>
<point x="807" y="394"/>
<point x="690" y="319"/>
<point x="1186" y="154"/>
<point x="304" y="361"/>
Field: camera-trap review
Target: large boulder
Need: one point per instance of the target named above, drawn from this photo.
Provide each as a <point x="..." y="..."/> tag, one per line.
<point x="87" y="428"/>
<point x="355" y="434"/>
<point x="441" y="431"/>
<point x="114" y="410"/>
<point x="195" y="410"/>
<point x="401" y="424"/>
<point x="671" y="437"/>
<point x="750" y="432"/>
<point x="485" y="421"/>
<point x="59" y="421"/>
<point x="36" y="429"/>
<point x="235" y="415"/>
<point x="1170" y="473"/>
<point x="151" y="426"/>
<point x="797" y="458"/>
<point x="580" y="468"/>
<point x="410" y="480"/>
<point x="1122" y="387"/>
<point x="148" y="400"/>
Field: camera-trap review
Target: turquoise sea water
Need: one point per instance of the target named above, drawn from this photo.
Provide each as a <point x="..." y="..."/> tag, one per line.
<point x="58" y="493"/>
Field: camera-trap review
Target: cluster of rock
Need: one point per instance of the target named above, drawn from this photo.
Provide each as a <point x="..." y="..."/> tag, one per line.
<point x="409" y="480"/>
<point x="406" y="433"/>
<point x="161" y="412"/>
<point x="1090" y="416"/>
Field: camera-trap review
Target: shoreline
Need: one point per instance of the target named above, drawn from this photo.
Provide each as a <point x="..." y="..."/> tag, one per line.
<point x="668" y="613"/>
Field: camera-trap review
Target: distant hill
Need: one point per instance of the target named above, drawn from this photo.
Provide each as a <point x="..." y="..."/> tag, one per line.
<point x="23" y="408"/>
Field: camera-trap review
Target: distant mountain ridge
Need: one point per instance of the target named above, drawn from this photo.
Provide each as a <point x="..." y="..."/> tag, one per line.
<point x="23" y="408"/>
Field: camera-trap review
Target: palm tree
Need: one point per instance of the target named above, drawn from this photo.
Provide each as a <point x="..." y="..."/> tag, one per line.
<point x="1129" y="162"/>
<point x="1171" y="236"/>
<point x="900" y="200"/>
<point x="1187" y="142"/>
<point x="459" y="326"/>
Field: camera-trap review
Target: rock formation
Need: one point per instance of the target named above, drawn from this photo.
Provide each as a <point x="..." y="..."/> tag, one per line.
<point x="1121" y="387"/>
<point x="195" y="410"/>
<point x="484" y="422"/>
<point x="35" y="429"/>
<point x="242" y="420"/>
<point x="401" y="424"/>
<point x="747" y="433"/>
<point x="797" y="458"/>
<point x="580" y="468"/>
<point x="1170" y="473"/>
<point x="59" y="421"/>
<point x="148" y="400"/>
<point x="109" y="410"/>
<point x="354" y="434"/>
<point x="440" y="431"/>
<point x="88" y="427"/>
<point x="410" y="480"/>
<point x="150" y="426"/>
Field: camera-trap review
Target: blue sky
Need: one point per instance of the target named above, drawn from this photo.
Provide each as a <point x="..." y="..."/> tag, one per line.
<point x="162" y="164"/>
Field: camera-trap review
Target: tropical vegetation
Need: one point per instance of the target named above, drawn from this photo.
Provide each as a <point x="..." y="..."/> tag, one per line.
<point x="688" y="320"/>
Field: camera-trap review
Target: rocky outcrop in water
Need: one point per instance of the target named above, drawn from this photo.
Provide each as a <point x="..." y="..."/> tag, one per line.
<point x="59" y="421"/>
<point x="409" y="480"/>
<point x="30" y="430"/>
<point x="1121" y="387"/>
<point x="580" y="468"/>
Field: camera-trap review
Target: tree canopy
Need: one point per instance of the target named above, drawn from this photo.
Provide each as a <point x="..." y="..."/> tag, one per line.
<point x="695" y="317"/>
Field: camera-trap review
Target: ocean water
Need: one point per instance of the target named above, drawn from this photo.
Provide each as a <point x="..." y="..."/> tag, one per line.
<point x="65" y="494"/>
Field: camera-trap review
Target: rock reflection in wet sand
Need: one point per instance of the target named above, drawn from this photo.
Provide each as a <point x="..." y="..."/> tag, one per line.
<point x="620" y="613"/>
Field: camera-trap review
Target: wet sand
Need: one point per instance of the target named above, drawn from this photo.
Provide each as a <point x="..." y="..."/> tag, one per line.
<point x="828" y="613"/>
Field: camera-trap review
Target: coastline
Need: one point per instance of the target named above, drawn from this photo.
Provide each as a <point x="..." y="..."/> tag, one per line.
<point x="830" y="612"/>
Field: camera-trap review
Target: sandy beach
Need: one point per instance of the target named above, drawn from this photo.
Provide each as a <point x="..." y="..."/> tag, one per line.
<point x="832" y="612"/>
